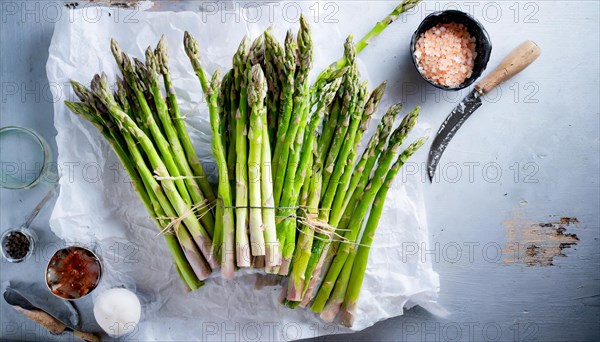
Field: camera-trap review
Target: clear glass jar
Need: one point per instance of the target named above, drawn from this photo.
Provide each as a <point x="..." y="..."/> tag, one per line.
<point x="25" y="159"/>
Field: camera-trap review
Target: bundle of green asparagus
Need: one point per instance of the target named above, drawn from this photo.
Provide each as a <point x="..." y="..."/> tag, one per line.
<point x="148" y="134"/>
<point x="339" y="191"/>
<point x="265" y="103"/>
<point x="292" y="192"/>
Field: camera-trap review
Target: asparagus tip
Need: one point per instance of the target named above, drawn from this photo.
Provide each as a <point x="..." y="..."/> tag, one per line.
<point x="103" y="86"/>
<point x="95" y="83"/>
<point x="408" y="122"/>
<point x="114" y="45"/>
<point x="126" y="62"/>
<point x="330" y="89"/>
<point x="258" y="89"/>
<point x="304" y="23"/>
<point x="244" y="47"/>
<point x="71" y="105"/>
<point x="257" y="49"/>
<point x="350" y="49"/>
<point x="395" y="108"/>
<point x="215" y="82"/>
<point x="289" y="35"/>
<point x="162" y="55"/>
<point x="191" y="45"/>
<point x="162" y="42"/>
<point x="379" y="91"/>
<point x="117" y="52"/>
<point x="152" y="63"/>
<point x="419" y="142"/>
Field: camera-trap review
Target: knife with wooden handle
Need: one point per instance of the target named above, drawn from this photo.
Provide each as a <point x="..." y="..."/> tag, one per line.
<point x="515" y="62"/>
<point x="53" y="325"/>
<point x="54" y="314"/>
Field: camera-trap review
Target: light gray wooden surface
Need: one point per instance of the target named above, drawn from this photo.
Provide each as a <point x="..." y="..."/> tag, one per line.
<point x="541" y="132"/>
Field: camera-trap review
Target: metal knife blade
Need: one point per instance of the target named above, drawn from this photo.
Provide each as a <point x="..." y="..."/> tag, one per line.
<point x="35" y="296"/>
<point x="449" y="128"/>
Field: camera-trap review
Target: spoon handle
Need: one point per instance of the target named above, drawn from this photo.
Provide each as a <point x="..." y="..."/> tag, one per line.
<point x="39" y="207"/>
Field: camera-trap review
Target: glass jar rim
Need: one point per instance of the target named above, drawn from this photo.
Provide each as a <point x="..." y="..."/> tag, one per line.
<point x="45" y="151"/>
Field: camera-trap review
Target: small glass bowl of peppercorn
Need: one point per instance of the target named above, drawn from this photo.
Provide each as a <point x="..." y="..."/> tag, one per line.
<point x="17" y="244"/>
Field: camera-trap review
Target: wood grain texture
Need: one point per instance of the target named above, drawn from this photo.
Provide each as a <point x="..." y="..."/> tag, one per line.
<point x="519" y="59"/>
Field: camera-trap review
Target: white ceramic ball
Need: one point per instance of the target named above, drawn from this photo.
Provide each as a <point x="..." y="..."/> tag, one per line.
<point x="117" y="311"/>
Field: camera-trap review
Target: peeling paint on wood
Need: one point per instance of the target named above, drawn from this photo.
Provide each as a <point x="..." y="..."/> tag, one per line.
<point x="539" y="243"/>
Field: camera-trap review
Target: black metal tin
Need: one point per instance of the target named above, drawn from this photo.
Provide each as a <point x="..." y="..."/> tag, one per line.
<point x="483" y="44"/>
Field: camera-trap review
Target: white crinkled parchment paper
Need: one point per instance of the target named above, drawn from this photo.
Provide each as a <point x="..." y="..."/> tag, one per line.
<point x="97" y="206"/>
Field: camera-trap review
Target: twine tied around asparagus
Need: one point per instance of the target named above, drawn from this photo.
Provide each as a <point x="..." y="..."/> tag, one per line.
<point x="311" y="220"/>
<point x="326" y="229"/>
<point x="308" y="219"/>
<point x="203" y="208"/>
<point x="319" y="226"/>
<point x="158" y="177"/>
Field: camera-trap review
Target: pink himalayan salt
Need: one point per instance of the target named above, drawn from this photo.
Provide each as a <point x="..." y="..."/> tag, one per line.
<point x="446" y="54"/>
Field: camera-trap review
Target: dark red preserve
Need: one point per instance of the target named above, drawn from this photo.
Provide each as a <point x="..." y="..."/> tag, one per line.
<point x="73" y="272"/>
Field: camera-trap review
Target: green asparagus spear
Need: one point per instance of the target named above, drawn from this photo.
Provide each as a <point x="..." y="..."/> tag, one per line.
<point x="257" y="52"/>
<point x="272" y="257"/>
<point x="306" y="186"/>
<point x="342" y="284"/>
<point x="274" y="59"/>
<point x="301" y="110"/>
<point x="241" y="128"/>
<point x="224" y="191"/>
<point x="286" y="171"/>
<point x="317" y="188"/>
<point x="285" y="112"/>
<point x="382" y="25"/>
<point x="159" y="215"/>
<point x="337" y="296"/>
<point x="363" y="43"/>
<point x="359" y="181"/>
<point x="192" y="254"/>
<point x="257" y="90"/>
<point x="228" y="118"/>
<point x="286" y="227"/>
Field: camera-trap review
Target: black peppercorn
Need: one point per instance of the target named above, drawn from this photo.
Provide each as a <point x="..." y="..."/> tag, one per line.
<point x="16" y="245"/>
